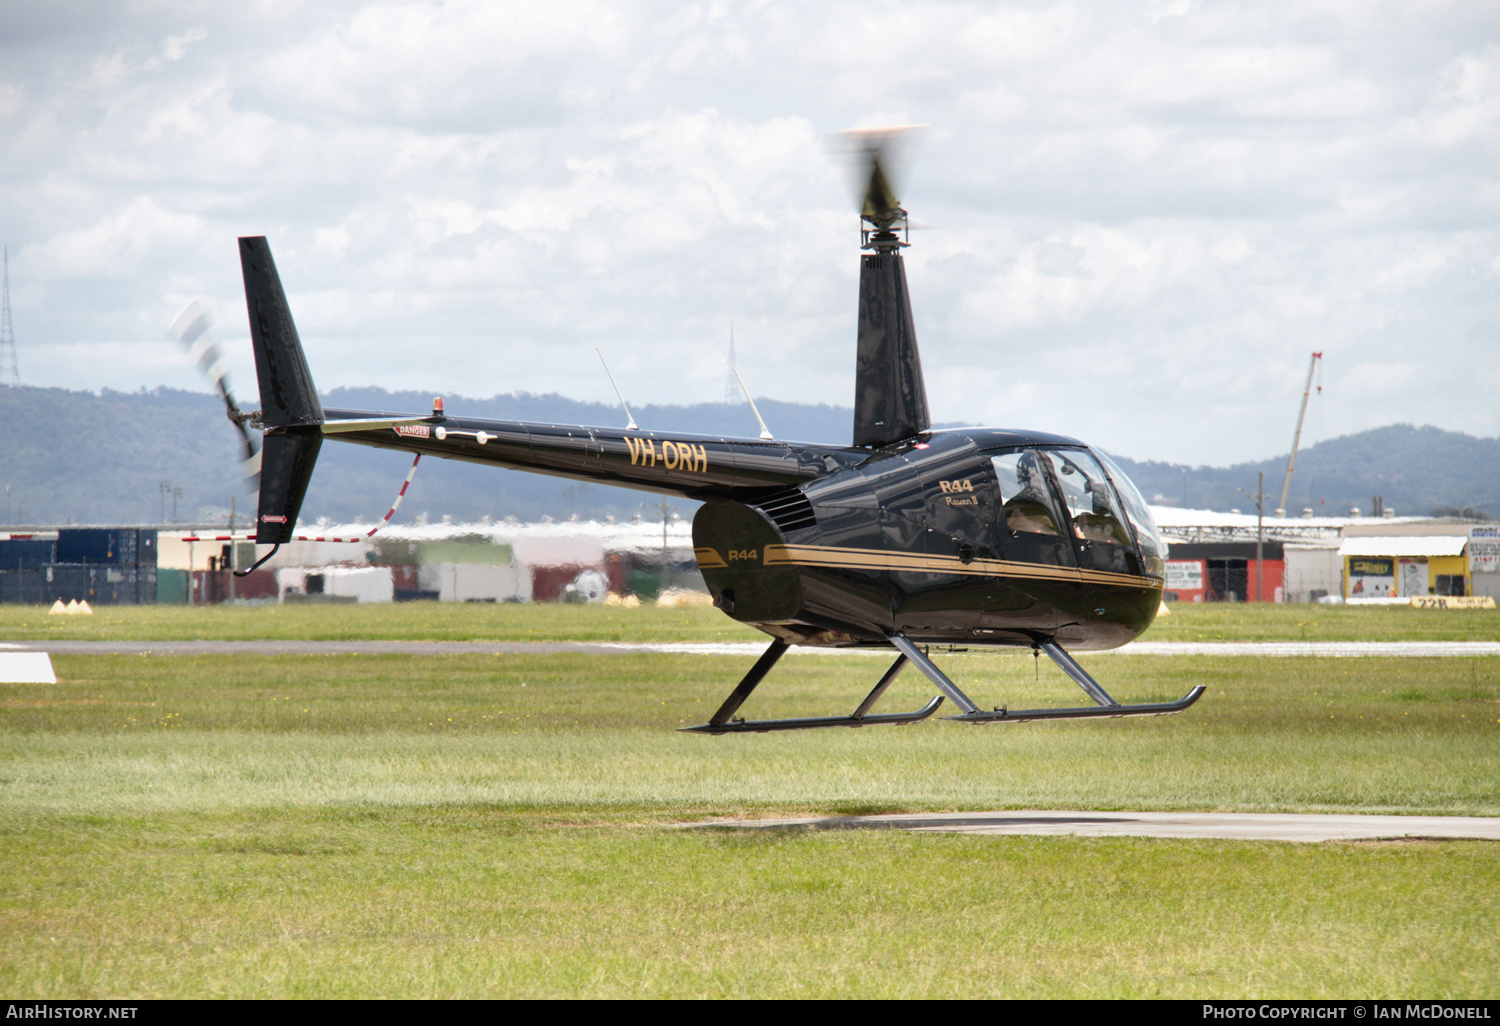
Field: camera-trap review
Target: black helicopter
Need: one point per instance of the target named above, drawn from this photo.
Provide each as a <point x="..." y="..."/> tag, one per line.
<point x="907" y="538"/>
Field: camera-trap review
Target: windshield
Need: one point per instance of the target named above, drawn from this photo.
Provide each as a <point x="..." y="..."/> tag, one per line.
<point x="1146" y="533"/>
<point x="1091" y="503"/>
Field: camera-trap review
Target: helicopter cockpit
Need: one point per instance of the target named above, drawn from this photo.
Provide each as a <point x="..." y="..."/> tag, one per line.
<point x="1055" y="502"/>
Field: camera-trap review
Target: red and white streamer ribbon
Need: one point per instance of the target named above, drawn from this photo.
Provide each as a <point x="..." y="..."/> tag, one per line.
<point x="319" y="538"/>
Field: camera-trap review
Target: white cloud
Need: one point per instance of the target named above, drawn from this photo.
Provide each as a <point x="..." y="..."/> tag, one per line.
<point x="1145" y="217"/>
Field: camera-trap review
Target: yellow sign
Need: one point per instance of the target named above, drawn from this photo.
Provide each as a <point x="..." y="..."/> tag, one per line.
<point x="1453" y="601"/>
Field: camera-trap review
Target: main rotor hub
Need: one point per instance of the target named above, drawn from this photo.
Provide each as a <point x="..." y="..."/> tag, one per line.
<point x="881" y="233"/>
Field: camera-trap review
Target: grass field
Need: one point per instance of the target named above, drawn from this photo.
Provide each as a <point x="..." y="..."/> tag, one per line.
<point x="500" y="825"/>
<point x="431" y="621"/>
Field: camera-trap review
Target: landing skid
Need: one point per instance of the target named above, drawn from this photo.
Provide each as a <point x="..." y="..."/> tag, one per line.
<point x="724" y="721"/>
<point x="1106" y="706"/>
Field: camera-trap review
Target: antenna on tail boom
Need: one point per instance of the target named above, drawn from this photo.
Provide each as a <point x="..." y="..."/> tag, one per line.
<point x="765" y="432"/>
<point x="628" y="416"/>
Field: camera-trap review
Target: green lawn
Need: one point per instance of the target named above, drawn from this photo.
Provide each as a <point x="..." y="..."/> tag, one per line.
<point x="431" y="621"/>
<point x="500" y="825"/>
<point x="1223" y="621"/>
<point x="483" y="901"/>
<point x="406" y="621"/>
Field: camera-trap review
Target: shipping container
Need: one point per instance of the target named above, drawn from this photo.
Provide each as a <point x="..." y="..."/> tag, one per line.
<point x="171" y="586"/>
<point x="97" y="545"/>
<point x="26" y="554"/>
<point x="98" y="585"/>
<point x="84" y="545"/>
<point x="145" y="552"/>
<point x="67" y="582"/>
<point x="23" y="587"/>
<point x="145" y="585"/>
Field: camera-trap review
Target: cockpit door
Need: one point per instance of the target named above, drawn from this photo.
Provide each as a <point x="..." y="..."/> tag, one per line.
<point x="960" y="494"/>
<point x="1033" y="528"/>
<point x="1095" y="522"/>
<point x="938" y="559"/>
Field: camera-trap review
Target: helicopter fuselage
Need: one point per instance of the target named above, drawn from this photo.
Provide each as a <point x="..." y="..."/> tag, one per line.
<point x="963" y="536"/>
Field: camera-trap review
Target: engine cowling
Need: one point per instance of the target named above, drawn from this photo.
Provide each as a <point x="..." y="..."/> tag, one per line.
<point x="730" y="541"/>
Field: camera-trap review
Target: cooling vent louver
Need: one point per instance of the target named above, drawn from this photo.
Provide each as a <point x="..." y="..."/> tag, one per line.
<point x="787" y="509"/>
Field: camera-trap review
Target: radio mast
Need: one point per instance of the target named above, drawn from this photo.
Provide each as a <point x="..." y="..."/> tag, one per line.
<point x="10" y="376"/>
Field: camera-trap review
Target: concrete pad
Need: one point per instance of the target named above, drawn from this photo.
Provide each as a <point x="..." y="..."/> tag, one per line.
<point x="1318" y="649"/>
<point x="1308" y="827"/>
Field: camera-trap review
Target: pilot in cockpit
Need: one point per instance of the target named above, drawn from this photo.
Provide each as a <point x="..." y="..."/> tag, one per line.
<point x="1029" y="509"/>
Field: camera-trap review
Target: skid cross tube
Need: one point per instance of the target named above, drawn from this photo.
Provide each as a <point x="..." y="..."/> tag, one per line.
<point x="927" y="666"/>
<point x="722" y="723"/>
<point x="754" y="677"/>
<point x="1079" y="674"/>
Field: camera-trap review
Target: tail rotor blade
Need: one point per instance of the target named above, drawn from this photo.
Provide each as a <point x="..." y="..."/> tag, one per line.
<point x="193" y="328"/>
<point x="192" y="323"/>
<point x="250" y="465"/>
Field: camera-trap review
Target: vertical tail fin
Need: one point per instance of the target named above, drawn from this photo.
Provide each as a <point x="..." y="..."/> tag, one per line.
<point x="289" y="404"/>
<point x="287" y="395"/>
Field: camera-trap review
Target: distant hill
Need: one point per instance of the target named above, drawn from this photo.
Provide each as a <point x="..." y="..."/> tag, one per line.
<point x="102" y="458"/>
<point x="1416" y="470"/>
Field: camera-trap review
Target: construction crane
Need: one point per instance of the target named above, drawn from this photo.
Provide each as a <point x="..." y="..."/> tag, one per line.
<point x="1291" y="463"/>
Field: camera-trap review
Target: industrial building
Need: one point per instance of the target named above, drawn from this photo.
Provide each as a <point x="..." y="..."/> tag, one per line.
<point x="1394" y="563"/>
<point x="486" y="562"/>
<point x="1309" y="559"/>
<point x="1212" y="557"/>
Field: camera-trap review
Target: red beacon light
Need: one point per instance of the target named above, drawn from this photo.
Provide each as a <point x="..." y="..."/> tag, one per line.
<point x="437" y="406"/>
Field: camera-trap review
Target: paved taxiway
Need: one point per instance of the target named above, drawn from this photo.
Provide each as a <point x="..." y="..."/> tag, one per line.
<point x="1273" y="649"/>
<point x="1309" y="827"/>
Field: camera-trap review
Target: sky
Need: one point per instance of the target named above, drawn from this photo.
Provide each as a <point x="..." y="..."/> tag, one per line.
<point x="1138" y="219"/>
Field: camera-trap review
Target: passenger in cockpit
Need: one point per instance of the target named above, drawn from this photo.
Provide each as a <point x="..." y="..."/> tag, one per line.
<point x="1100" y="524"/>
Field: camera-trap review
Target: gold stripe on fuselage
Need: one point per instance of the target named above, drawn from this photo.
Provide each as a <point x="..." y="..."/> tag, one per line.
<point x="709" y="559"/>
<point x="834" y="557"/>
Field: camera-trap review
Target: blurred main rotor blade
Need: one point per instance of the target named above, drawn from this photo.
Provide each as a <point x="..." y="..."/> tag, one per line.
<point x="876" y="158"/>
<point x="194" y="329"/>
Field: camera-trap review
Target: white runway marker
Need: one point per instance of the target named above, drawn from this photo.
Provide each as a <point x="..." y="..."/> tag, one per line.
<point x="26" y="668"/>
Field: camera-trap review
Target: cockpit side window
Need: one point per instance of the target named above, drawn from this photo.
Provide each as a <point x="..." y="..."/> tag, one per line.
<point x="1025" y="501"/>
<point x="1092" y="507"/>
